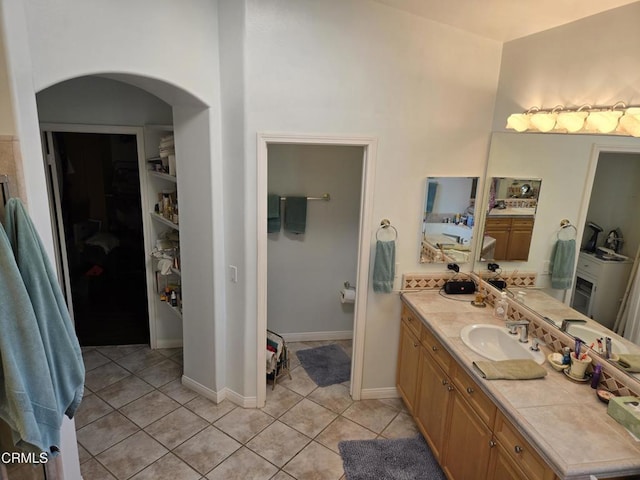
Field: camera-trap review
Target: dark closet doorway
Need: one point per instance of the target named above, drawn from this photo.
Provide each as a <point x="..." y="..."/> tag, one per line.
<point x="98" y="197"/>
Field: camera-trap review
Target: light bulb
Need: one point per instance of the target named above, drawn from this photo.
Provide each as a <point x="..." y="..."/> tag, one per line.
<point x="572" y="122"/>
<point x="604" y="121"/>
<point x="520" y="122"/>
<point x="544" y="121"/>
<point x="630" y="122"/>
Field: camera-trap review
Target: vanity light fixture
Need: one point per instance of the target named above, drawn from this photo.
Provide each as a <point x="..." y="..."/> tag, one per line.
<point x="615" y="119"/>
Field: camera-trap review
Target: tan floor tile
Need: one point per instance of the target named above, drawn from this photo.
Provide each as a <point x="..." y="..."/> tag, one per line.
<point x="206" y="449"/>
<point x="104" y="376"/>
<point x="279" y="400"/>
<point x="118" y="351"/>
<point x="105" y="432"/>
<point x="161" y="373"/>
<point x="396" y="403"/>
<point x="94" y="471"/>
<point x="125" y="391"/>
<point x="176" y="427"/>
<point x="149" y="408"/>
<point x="209" y="410"/>
<point x="168" y="352"/>
<point x="301" y="383"/>
<point x="282" y="476"/>
<point x="334" y="397"/>
<point x="243" y="424"/>
<point x="243" y="465"/>
<point x="178" y="358"/>
<point x="343" y="429"/>
<point x="178" y="392"/>
<point x="372" y="414"/>
<point x="131" y="455"/>
<point x="91" y="408"/>
<point x="83" y="454"/>
<point x="93" y="359"/>
<point x="168" y="467"/>
<point x="315" y="462"/>
<point x="140" y="359"/>
<point x="308" y="417"/>
<point x="278" y="443"/>
<point x="402" y="426"/>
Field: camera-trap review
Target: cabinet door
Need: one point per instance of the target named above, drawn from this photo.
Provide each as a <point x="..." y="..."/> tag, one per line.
<point x="520" y="239"/>
<point x="499" y="229"/>
<point x="434" y="392"/>
<point x="501" y="466"/>
<point x="408" y="361"/>
<point x="466" y="453"/>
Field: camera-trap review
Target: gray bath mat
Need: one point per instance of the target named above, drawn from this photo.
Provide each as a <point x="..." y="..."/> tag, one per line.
<point x="396" y="459"/>
<point x="326" y="365"/>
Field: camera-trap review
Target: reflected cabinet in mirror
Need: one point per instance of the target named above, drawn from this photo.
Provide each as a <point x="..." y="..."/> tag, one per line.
<point x="448" y="219"/>
<point x="591" y="181"/>
<point x="511" y="212"/>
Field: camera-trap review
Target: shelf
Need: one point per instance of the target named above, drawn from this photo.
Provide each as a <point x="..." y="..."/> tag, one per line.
<point x="164" y="176"/>
<point x="161" y="219"/>
<point x="175" y="310"/>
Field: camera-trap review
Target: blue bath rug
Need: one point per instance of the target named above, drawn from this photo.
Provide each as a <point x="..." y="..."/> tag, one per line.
<point x="326" y="365"/>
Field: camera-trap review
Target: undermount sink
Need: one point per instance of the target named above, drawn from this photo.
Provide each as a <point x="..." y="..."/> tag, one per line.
<point x="590" y="335"/>
<point x="496" y="343"/>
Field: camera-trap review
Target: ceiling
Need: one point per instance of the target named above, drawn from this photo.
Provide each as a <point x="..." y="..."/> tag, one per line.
<point x="505" y="20"/>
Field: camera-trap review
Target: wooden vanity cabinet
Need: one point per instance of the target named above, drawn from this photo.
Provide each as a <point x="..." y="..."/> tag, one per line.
<point x="513" y="236"/>
<point x="408" y="359"/>
<point x="467" y="434"/>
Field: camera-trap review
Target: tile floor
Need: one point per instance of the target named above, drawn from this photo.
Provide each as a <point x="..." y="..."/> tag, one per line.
<point x="138" y="422"/>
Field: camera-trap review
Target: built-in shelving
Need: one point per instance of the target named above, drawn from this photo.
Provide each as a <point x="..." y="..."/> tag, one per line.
<point x="176" y="310"/>
<point x="164" y="176"/>
<point x="167" y="222"/>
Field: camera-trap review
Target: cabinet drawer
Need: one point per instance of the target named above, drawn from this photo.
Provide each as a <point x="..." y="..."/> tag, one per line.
<point x="412" y="320"/>
<point x="522" y="223"/>
<point x="498" y="222"/>
<point x="520" y="451"/>
<point x="437" y="351"/>
<point x="470" y="391"/>
<point x="589" y="265"/>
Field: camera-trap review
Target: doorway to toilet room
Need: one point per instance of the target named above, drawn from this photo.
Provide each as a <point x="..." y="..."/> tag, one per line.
<point x="301" y="276"/>
<point x="94" y="187"/>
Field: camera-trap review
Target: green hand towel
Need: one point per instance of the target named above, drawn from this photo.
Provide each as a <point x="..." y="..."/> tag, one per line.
<point x="384" y="268"/>
<point x="631" y="363"/>
<point x="520" y="369"/>
<point x="295" y="214"/>
<point x="562" y="259"/>
<point x="273" y="213"/>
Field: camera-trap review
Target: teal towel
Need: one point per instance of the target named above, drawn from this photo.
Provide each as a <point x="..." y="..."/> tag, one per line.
<point x="295" y="214"/>
<point x="384" y="268"/>
<point x="273" y="213"/>
<point x="54" y="326"/>
<point x="561" y="264"/>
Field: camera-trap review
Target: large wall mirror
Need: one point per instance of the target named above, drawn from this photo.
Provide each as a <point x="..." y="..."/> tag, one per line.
<point x="448" y="219"/>
<point x="591" y="181"/>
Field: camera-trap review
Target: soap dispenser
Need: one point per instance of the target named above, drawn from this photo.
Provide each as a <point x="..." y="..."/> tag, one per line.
<point x="501" y="306"/>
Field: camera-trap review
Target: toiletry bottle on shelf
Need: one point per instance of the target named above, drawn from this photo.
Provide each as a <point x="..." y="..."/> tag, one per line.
<point x="595" y="379"/>
<point x="174" y="299"/>
<point x="501" y="306"/>
<point x="566" y="356"/>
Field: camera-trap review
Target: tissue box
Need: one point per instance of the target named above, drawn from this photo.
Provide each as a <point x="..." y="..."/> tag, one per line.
<point x="626" y="411"/>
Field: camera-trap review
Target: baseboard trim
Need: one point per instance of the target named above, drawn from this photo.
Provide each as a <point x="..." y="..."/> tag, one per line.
<point x="217" y="397"/>
<point x="169" y="343"/>
<point x="317" y="336"/>
<point x="377" y="393"/>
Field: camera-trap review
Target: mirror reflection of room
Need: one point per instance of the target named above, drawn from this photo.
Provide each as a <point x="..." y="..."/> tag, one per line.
<point x="448" y="220"/>
<point x="510" y="218"/>
<point x="610" y="240"/>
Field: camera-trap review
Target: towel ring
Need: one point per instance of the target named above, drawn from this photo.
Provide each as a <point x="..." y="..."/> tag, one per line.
<point x="564" y="226"/>
<point x="385" y="224"/>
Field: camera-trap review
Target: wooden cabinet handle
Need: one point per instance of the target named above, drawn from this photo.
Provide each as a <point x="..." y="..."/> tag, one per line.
<point x="450" y="388"/>
<point x="445" y="382"/>
<point x="434" y="348"/>
<point x="492" y="443"/>
<point x="518" y="449"/>
<point x="415" y="344"/>
<point x="469" y="390"/>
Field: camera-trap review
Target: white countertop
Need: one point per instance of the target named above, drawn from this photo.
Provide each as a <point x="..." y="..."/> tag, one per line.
<point x="512" y="212"/>
<point x="563" y="420"/>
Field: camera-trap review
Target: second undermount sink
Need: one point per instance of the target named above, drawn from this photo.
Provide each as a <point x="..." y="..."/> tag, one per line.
<point x="590" y="335"/>
<point x="496" y="343"/>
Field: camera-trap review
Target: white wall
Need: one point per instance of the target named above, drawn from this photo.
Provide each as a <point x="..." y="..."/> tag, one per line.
<point x="7" y="124"/>
<point x="359" y="67"/>
<point x="306" y="272"/>
<point x="95" y="100"/>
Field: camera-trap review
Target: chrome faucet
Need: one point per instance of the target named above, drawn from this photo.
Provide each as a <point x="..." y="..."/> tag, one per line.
<point x="567" y="321"/>
<point x="523" y="326"/>
<point x="535" y="344"/>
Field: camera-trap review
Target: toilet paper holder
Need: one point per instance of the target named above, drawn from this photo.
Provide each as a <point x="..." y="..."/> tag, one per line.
<point x="349" y="286"/>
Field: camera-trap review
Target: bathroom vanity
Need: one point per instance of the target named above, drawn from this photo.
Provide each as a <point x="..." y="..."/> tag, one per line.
<point x="544" y="429"/>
